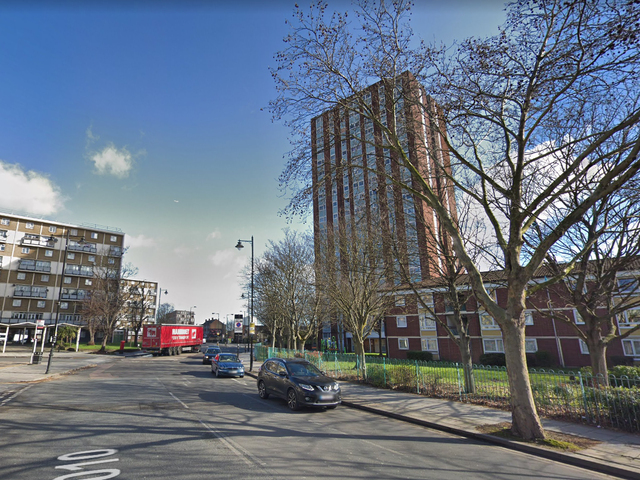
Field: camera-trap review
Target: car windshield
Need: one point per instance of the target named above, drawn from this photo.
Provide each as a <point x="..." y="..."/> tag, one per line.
<point x="228" y="358"/>
<point x="213" y="350"/>
<point x="303" y="370"/>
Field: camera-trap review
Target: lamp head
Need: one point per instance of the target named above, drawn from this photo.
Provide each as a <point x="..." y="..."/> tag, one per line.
<point x="239" y="246"/>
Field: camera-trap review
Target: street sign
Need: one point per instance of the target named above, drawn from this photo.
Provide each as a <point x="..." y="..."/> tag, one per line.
<point x="39" y="323"/>
<point x="252" y="328"/>
<point x="238" y="327"/>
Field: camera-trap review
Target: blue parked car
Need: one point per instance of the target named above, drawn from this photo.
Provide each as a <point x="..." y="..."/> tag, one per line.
<point x="227" y="364"/>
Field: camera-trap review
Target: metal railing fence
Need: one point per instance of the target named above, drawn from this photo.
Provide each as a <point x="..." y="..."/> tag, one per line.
<point x="565" y="395"/>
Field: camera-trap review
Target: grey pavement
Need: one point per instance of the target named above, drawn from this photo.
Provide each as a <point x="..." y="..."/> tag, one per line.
<point x="617" y="454"/>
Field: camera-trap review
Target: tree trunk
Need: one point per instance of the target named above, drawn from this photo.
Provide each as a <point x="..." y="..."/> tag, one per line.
<point x="598" y="356"/>
<point x="467" y="364"/>
<point x="362" y="367"/>
<point x="273" y="338"/>
<point x="525" y="421"/>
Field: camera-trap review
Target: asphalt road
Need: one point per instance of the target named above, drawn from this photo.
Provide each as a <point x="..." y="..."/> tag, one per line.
<point x="168" y="417"/>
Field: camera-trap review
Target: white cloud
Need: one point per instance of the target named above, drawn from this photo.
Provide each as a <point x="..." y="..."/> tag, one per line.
<point x="113" y="161"/>
<point x="139" y="241"/>
<point x="28" y="191"/>
<point x="214" y="235"/>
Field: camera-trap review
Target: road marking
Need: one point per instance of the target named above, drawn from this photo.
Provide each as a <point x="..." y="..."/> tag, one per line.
<point x="7" y="400"/>
<point x="234" y="447"/>
<point x="181" y="402"/>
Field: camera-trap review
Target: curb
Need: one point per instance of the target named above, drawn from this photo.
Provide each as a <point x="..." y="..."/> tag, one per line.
<point x="521" y="447"/>
<point x="517" y="446"/>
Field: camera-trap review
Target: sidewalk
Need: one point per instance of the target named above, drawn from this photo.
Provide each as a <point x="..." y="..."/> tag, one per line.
<point x="618" y="454"/>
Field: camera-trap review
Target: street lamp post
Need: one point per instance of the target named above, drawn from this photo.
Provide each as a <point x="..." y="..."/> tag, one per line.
<point x="192" y="322"/>
<point x="53" y="240"/>
<point x="240" y="246"/>
<point x="160" y="302"/>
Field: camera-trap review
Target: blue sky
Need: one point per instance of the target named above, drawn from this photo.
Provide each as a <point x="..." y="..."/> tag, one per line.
<point x="147" y="116"/>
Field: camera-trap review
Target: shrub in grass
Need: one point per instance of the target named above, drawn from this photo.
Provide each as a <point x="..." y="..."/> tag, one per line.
<point x="617" y="406"/>
<point x="402" y="376"/>
<point x="494" y="359"/>
<point x="419" y="355"/>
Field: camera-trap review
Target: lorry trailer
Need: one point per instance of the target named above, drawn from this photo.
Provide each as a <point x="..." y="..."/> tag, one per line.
<point x="171" y="339"/>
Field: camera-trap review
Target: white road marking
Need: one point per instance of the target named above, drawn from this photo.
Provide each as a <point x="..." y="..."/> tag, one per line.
<point x="181" y="402"/>
<point x="7" y="400"/>
<point x="234" y="447"/>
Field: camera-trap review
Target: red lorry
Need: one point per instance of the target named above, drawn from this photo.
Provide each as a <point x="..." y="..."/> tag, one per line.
<point x="171" y="339"/>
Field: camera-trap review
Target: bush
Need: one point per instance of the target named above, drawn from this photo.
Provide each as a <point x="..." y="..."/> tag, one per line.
<point x="494" y="359"/>
<point x="616" y="360"/>
<point x="402" y="376"/>
<point x="419" y="355"/>
<point x="620" y="370"/>
<point x="616" y="406"/>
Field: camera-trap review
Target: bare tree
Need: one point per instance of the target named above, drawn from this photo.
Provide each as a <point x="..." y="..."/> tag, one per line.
<point x="285" y="288"/>
<point x="163" y="311"/>
<point x="106" y="306"/>
<point x="354" y="276"/>
<point x="520" y="119"/>
<point x="603" y="249"/>
<point x="140" y="305"/>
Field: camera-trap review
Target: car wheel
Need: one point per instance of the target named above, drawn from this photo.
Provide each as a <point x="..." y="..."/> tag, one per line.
<point x="178" y="350"/>
<point x="292" y="400"/>
<point x="217" y="374"/>
<point x="262" y="390"/>
<point x="241" y="376"/>
<point x="203" y="362"/>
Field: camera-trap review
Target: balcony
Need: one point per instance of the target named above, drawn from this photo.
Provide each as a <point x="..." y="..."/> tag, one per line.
<point x="115" y="252"/>
<point x="78" y="270"/>
<point x="36" y="241"/>
<point x="34" y="266"/>
<point x="72" y="294"/>
<point x="30" y="292"/>
<point x="84" y="247"/>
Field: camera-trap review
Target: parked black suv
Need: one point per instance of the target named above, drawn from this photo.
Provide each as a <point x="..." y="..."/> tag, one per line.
<point x="299" y="382"/>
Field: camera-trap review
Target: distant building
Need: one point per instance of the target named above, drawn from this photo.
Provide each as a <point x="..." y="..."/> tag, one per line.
<point x="214" y="330"/>
<point x="180" y="317"/>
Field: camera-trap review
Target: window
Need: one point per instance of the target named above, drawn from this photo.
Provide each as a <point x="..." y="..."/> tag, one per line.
<point x="29" y="225"/>
<point x="401" y="322"/>
<point x="487" y="322"/>
<point x="400" y="301"/>
<point x="403" y="343"/>
<point x="67" y="279"/>
<point x="430" y="344"/>
<point x="53" y="229"/>
<point x="64" y="305"/>
<point x="584" y="348"/>
<point x="48" y="253"/>
<point x="493" y="345"/>
<point x="17" y="303"/>
<point x="92" y="258"/>
<point x="578" y="318"/>
<point x="22" y="276"/>
<point x="71" y="256"/>
<point x="630" y="317"/>
<point x="111" y="261"/>
<point x="4" y="221"/>
<point x="94" y="236"/>
<point x="427" y="322"/>
<point x="631" y="347"/>
<point x="114" y="238"/>
<point x="73" y="232"/>
<point x="41" y="303"/>
<point x="26" y="249"/>
<point x="88" y="281"/>
<point x="3" y="234"/>
<point x="628" y="285"/>
<point x="530" y="345"/>
<point x="528" y="318"/>
<point x="2" y="247"/>
<point x="44" y="278"/>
